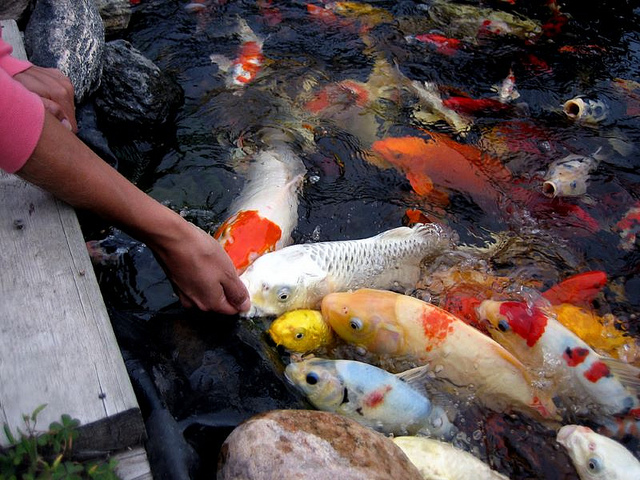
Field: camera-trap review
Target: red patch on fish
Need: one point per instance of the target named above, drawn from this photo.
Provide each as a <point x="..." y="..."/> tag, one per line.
<point x="527" y="322"/>
<point x="376" y="398"/>
<point x="246" y="236"/>
<point x="344" y="95"/>
<point x="597" y="371"/>
<point x="322" y="14"/>
<point x="578" y="289"/>
<point x="475" y="106"/>
<point x="442" y="44"/>
<point x="575" y="356"/>
<point x="437" y="324"/>
<point x="250" y="60"/>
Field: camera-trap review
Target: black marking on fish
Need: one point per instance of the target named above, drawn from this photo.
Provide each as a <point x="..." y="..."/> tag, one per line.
<point x="345" y="396"/>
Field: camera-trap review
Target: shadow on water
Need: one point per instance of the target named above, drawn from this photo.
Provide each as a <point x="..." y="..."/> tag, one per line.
<point x="197" y="376"/>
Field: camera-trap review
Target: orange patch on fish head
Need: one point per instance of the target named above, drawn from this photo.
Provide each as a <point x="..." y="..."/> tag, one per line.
<point x="339" y="96"/>
<point x="528" y="322"/>
<point x="365" y="318"/>
<point x="246" y="236"/>
<point x="437" y="324"/>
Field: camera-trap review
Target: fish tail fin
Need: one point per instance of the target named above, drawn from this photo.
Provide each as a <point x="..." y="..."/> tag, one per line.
<point x="224" y="63"/>
<point x="543" y="404"/>
<point x="246" y="33"/>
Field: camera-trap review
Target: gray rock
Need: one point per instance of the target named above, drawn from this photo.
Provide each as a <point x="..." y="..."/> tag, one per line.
<point x="115" y="14"/>
<point x="68" y="35"/>
<point x="14" y="9"/>
<point x="295" y="444"/>
<point x="134" y="90"/>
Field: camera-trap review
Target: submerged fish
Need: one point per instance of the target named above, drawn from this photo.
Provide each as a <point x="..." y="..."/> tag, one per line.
<point x="586" y="110"/>
<point x="440" y="460"/>
<point x="369" y="395"/>
<point x="628" y="227"/>
<point x="299" y="276"/>
<point x="265" y="213"/>
<point x="568" y="177"/>
<point x="579" y="376"/>
<point x="248" y="62"/>
<point x="405" y="327"/>
<point x="470" y="21"/>
<point x="437" y="165"/>
<point x="597" y="457"/>
<point x="301" y="330"/>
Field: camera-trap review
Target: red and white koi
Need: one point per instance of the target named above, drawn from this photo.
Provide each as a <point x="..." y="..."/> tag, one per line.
<point x="405" y="327"/>
<point x="248" y="63"/>
<point x="628" y="227"/>
<point x="578" y="374"/>
<point x="266" y="211"/>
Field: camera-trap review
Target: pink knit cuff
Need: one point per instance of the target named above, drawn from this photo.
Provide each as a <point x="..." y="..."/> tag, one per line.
<point x="10" y="64"/>
<point x="21" y="123"/>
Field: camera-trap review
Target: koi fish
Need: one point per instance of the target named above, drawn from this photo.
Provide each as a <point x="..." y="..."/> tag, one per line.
<point x="470" y="21"/>
<point x="401" y="326"/>
<point x="599" y="332"/>
<point x="301" y="331"/>
<point x="439" y="162"/>
<point x="265" y="213"/>
<point x="441" y="460"/>
<point x="440" y="43"/>
<point x="580" y="376"/>
<point x="247" y="64"/>
<point x="507" y="89"/>
<point x="298" y="276"/>
<point x="569" y="176"/>
<point x="597" y="457"/>
<point x="475" y="106"/>
<point x="628" y="228"/>
<point x="369" y="395"/>
<point x="586" y="110"/>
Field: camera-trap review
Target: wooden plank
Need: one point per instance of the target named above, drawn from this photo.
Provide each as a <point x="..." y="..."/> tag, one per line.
<point x="133" y="465"/>
<point x="57" y="346"/>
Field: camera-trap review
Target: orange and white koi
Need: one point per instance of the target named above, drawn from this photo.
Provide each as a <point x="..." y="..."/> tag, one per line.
<point x="266" y="211"/>
<point x="440" y="43"/>
<point x="247" y="64"/>
<point x="584" y="379"/>
<point x="388" y="323"/>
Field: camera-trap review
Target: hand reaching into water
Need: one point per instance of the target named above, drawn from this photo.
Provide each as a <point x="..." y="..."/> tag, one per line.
<point x="202" y="273"/>
<point x="56" y="92"/>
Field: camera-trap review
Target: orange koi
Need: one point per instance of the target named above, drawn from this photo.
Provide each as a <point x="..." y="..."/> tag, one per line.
<point x="475" y="106"/>
<point x="322" y="14"/>
<point x="440" y="162"/>
<point x="339" y="96"/>
<point x="389" y="323"/>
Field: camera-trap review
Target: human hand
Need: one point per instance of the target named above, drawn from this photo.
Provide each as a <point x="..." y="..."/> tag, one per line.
<point x="202" y="273"/>
<point x="56" y="92"/>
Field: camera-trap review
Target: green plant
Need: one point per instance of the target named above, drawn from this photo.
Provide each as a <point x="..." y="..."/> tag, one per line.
<point x="35" y="455"/>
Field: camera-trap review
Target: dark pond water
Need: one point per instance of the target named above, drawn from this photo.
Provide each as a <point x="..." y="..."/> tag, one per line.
<point x="198" y="375"/>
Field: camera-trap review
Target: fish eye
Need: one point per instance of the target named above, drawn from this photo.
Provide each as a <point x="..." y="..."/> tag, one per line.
<point x="312" y="378"/>
<point x="503" y="325"/>
<point x="355" y="323"/>
<point x="594" y="465"/>
<point x="283" y="294"/>
<point x="299" y="336"/>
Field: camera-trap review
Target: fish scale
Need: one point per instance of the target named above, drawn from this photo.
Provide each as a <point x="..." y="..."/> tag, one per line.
<point x="299" y="276"/>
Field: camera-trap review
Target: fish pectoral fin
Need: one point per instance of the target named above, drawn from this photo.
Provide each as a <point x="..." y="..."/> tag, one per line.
<point x="224" y="63"/>
<point x="421" y="183"/>
<point x="629" y="375"/>
<point x="417" y="376"/>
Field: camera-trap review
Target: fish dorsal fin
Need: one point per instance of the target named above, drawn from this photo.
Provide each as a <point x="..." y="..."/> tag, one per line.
<point x="629" y="375"/>
<point x="418" y="230"/>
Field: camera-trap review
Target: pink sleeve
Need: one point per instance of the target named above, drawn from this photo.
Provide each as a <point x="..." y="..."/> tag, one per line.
<point x="10" y="64"/>
<point x="21" y="115"/>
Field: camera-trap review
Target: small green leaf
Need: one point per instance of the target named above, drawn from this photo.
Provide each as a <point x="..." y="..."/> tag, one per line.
<point x="8" y="434"/>
<point x="36" y="412"/>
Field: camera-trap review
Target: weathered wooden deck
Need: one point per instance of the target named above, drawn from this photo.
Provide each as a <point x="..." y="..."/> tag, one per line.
<point x="57" y="346"/>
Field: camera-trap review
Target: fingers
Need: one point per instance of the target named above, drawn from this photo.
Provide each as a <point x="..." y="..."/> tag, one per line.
<point x="52" y="86"/>
<point x="237" y="295"/>
<point x="56" y="110"/>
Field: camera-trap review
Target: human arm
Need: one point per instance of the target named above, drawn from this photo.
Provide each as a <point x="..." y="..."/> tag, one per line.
<point x="200" y="270"/>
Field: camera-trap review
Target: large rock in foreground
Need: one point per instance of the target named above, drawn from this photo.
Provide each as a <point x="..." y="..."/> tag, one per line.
<point x="294" y="444"/>
<point x="68" y="35"/>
